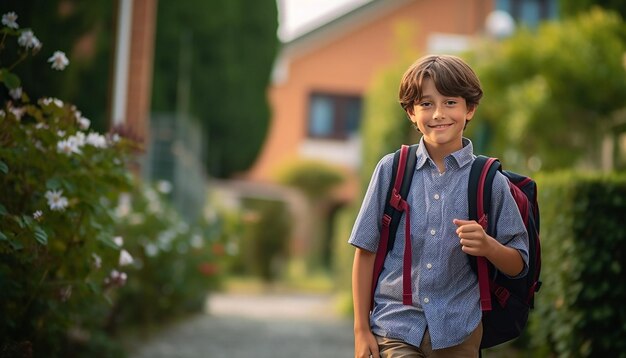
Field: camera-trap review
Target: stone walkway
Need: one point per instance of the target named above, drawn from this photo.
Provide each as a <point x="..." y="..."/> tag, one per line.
<point x="260" y="326"/>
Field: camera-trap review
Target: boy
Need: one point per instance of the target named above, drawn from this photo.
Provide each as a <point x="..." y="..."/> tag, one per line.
<point x="440" y="95"/>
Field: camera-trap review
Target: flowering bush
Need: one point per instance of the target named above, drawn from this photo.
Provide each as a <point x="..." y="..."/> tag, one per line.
<point x="175" y="263"/>
<point x="84" y="246"/>
<point x="59" y="185"/>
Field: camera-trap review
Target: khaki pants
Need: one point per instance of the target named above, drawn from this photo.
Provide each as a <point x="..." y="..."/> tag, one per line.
<point x="395" y="348"/>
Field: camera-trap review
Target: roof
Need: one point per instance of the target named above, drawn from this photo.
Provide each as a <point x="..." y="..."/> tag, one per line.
<point x="338" y="26"/>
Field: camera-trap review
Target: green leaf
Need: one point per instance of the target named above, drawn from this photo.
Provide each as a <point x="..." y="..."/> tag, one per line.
<point x="53" y="183"/>
<point x="94" y="287"/>
<point x="3" y="237"/>
<point x="28" y="221"/>
<point x="11" y="81"/>
<point x="19" y="221"/>
<point x="4" y="167"/>
<point x="107" y="241"/>
<point x="41" y="236"/>
<point x="16" y="245"/>
<point x="3" y="210"/>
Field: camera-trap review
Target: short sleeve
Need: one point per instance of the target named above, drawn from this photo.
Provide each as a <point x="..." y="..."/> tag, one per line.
<point x="366" y="230"/>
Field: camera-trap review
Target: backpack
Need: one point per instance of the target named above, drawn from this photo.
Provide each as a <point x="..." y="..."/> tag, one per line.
<point x="505" y="302"/>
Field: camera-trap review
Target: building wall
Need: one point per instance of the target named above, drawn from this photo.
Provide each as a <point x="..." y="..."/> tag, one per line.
<point x="344" y="62"/>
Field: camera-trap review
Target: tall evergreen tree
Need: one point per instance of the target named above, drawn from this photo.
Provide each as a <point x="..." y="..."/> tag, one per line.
<point x="220" y="53"/>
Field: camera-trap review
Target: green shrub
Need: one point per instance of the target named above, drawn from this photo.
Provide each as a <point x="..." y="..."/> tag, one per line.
<point x="265" y="237"/>
<point x="175" y="263"/>
<point x="580" y="308"/>
<point x="314" y="178"/>
<point x="57" y="185"/>
<point x="84" y="246"/>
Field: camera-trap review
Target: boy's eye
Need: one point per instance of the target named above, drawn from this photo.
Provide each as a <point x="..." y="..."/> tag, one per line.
<point x="424" y="104"/>
<point x="451" y="102"/>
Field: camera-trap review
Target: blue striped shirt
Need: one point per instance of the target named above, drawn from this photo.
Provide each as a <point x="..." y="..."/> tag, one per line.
<point x="446" y="298"/>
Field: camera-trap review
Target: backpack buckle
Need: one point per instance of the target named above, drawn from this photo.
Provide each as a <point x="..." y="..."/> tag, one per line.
<point x="395" y="199"/>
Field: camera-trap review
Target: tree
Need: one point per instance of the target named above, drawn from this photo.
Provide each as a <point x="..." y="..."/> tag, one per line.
<point x="231" y="47"/>
<point x="575" y="7"/>
<point x="385" y="125"/>
<point x="553" y="95"/>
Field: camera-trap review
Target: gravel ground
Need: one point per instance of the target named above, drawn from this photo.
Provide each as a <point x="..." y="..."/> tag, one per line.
<point x="241" y="326"/>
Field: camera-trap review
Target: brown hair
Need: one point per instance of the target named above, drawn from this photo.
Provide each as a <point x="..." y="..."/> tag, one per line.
<point x="451" y="75"/>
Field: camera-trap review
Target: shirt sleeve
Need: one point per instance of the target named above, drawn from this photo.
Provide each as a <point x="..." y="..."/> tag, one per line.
<point x="366" y="230"/>
<point x="507" y="222"/>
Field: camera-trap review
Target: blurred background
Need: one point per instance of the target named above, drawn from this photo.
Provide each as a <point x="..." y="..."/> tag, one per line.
<point x="240" y="139"/>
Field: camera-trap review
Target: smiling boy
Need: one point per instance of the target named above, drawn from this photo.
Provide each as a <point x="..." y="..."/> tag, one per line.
<point x="440" y="95"/>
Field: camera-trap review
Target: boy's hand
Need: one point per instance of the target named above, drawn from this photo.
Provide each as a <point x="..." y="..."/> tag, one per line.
<point x="365" y="345"/>
<point x="474" y="239"/>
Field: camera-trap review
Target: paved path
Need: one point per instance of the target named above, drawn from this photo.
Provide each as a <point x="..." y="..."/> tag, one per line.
<point x="259" y="326"/>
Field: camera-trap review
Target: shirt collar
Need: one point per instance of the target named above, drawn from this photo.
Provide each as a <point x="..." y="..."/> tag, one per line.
<point x="461" y="157"/>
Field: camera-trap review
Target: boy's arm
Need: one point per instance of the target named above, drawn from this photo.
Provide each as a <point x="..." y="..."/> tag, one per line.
<point x="362" y="271"/>
<point x="475" y="241"/>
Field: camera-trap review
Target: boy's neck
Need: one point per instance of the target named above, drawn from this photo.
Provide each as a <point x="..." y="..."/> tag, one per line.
<point x="438" y="153"/>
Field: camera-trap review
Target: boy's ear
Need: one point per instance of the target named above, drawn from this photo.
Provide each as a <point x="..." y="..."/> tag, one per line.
<point x="470" y="112"/>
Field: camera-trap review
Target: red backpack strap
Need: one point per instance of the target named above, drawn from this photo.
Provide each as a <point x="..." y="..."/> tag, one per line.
<point x="404" y="163"/>
<point x="479" y="200"/>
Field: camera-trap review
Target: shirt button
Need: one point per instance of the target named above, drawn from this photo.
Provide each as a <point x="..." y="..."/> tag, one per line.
<point x="436" y="196"/>
<point x="426" y="300"/>
<point x="429" y="266"/>
<point x="433" y="232"/>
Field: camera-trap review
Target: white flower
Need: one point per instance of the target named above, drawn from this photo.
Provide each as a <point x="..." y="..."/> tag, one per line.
<point x="61" y="133"/>
<point x="119" y="241"/>
<point x="51" y="100"/>
<point x="37" y="215"/>
<point x="59" y="60"/>
<point x="84" y="123"/>
<point x="56" y="200"/>
<point x="97" y="140"/>
<point x="10" y="20"/>
<point x="152" y="250"/>
<point x="39" y="146"/>
<point x="125" y="258"/>
<point x="97" y="260"/>
<point x="16" y="93"/>
<point x="116" y="278"/>
<point x="123" y="206"/>
<point x="68" y="147"/>
<point x="28" y="40"/>
<point x="164" y="186"/>
<point x="17" y="112"/>
<point x="197" y="241"/>
<point x="2" y="113"/>
<point x="78" y="139"/>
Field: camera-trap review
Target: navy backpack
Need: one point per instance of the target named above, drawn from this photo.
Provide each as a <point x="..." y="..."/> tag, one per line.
<point x="505" y="302"/>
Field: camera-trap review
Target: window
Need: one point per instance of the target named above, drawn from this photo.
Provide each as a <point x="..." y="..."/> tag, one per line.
<point x="333" y="116"/>
<point x="529" y="12"/>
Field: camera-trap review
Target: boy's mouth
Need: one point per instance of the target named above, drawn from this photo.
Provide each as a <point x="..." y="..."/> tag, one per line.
<point x="440" y="126"/>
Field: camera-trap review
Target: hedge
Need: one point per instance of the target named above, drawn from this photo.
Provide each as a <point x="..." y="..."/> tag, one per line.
<point x="580" y="308"/>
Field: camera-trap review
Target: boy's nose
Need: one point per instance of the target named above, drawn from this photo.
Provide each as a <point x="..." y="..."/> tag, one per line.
<point x="438" y="114"/>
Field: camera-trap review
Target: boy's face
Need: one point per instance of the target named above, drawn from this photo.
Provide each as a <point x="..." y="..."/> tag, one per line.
<point x="441" y="119"/>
